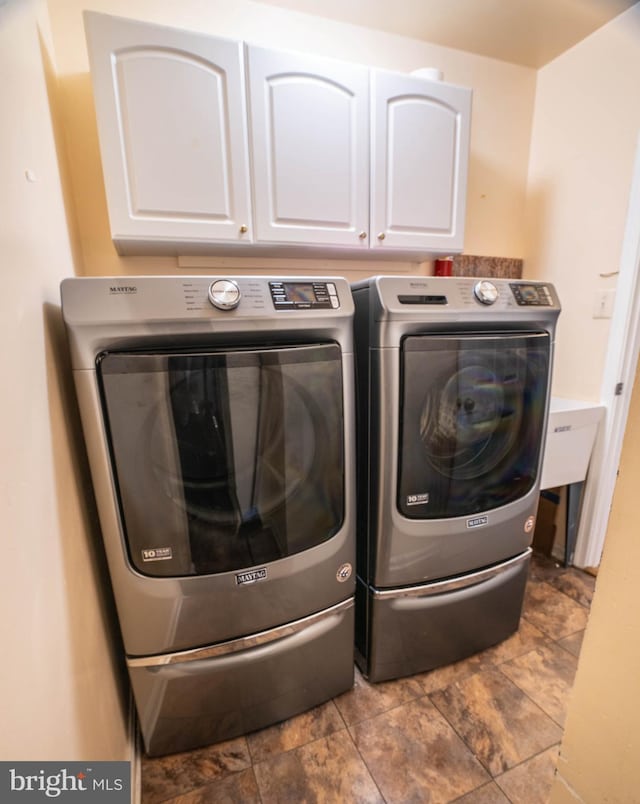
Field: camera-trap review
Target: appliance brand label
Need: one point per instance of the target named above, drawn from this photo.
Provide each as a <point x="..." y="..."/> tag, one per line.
<point x="477" y="522"/>
<point x="344" y="573"/>
<point x="119" y="290"/>
<point x="157" y="554"/>
<point x="417" y="499"/>
<point x="562" y="429"/>
<point x="252" y="576"/>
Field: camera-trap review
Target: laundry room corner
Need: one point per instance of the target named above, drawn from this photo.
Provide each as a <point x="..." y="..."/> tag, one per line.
<point x="320" y="336"/>
<point x="56" y="615"/>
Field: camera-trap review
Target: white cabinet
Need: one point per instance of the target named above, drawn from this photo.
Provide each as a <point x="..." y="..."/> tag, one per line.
<point x="173" y="139"/>
<point x="300" y="152"/>
<point x="310" y="149"/>
<point x="419" y="156"/>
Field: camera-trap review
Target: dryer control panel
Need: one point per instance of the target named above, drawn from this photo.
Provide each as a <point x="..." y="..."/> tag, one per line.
<point x="310" y="295"/>
<point x="531" y="295"/>
<point x="459" y="299"/>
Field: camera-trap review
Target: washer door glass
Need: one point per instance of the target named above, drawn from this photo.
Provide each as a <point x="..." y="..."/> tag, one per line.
<point x="225" y="460"/>
<point x="472" y="419"/>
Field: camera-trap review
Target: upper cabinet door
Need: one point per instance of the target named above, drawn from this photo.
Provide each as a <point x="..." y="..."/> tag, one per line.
<point x="309" y="138"/>
<point x="171" y="119"/>
<point x="420" y="152"/>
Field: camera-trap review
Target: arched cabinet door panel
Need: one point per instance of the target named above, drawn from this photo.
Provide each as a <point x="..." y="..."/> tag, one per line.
<point x="213" y="145"/>
<point x="171" y="117"/>
<point x="420" y="151"/>
<point x="309" y="138"/>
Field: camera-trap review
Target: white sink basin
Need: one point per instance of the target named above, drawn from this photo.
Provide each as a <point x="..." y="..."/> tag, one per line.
<point x="571" y="433"/>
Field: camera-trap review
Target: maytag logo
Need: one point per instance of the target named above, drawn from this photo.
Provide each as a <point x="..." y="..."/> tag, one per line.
<point x="477" y="521"/>
<point x="119" y="290"/>
<point x="252" y="576"/>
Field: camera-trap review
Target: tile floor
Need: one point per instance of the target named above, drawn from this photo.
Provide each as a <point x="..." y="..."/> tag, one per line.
<point x="483" y="731"/>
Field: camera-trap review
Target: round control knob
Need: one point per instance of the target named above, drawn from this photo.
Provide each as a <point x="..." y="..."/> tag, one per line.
<point x="485" y="292"/>
<point x="224" y="294"/>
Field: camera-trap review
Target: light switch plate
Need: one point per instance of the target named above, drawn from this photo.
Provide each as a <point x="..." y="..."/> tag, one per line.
<point x="603" y="303"/>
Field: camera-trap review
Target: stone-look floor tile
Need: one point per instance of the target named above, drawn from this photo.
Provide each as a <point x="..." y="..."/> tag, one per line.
<point x="239" y="788"/>
<point x="414" y="755"/>
<point x="167" y="777"/>
<point x="442" y="677"/>
<point x="573" y="643"/>
<point x="487" y="794"/>
<point x="317" y="722"/>
<point x="526" y="638"/>
<point x="546" y="674"/>
<point x="366" y="700"/>
<point x="553" y="612"/>
<point x="329" y="770"/>
<point x="496" y="719"/>
<point x="531" y="782"/>
<point x="544" y="568"/>
<point x="575" y="584"/>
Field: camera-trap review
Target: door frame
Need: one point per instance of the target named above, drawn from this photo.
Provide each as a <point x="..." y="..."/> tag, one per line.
<point x="619" y="370"/>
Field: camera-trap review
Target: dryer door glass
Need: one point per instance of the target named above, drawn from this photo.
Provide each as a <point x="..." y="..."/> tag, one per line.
<point x="472" y="420"/>
<point x="225" y="460"/>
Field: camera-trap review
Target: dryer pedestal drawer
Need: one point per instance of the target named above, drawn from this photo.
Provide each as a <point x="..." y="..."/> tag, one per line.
<point x="417" y="629"/>
<point x="190" y="703"/>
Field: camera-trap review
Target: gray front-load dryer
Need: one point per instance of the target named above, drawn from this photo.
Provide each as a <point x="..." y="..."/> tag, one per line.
<point x="453" y="386"/>
<point x="218" y="417"/>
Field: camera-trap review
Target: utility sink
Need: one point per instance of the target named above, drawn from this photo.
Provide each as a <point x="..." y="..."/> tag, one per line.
<point x="571" y="433"/>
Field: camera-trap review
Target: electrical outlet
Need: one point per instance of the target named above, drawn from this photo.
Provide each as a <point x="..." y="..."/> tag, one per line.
<point x="603" y="303"/>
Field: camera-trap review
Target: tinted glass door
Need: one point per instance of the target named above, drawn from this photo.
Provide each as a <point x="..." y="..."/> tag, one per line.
<point x="225" y="460"/>
<point x="472" y="418"/>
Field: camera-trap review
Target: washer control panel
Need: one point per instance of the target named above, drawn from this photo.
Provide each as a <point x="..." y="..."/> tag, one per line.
<point x="485" y="292"/>
<point x="224" y="294"/>
<point x="298" y="295"/>
<point x="532" y="295"/>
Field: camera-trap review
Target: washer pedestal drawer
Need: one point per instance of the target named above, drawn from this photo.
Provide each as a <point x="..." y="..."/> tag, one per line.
<point x="188" y="702"/>
<point x="412" y="630"/>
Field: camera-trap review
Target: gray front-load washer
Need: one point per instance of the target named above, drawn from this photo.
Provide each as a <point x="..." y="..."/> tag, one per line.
<point x="453" y="382"/>
<point x="218" y="417"/>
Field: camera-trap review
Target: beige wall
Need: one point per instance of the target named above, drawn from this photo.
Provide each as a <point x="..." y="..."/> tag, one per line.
<point x="600" y="750"/>
<point x="59" y="698"/>
<point x="501" y="124"/>
<point x="585" y="132"/>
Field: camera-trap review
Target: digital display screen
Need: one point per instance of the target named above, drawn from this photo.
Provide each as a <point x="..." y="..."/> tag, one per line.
<point x="533" y="295"/>
<point x="304" y="295"/>
<point x="528" y="292"/>
<point x="298" y="292"/>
